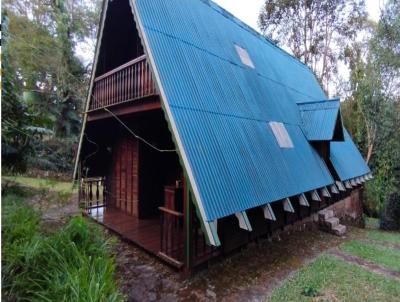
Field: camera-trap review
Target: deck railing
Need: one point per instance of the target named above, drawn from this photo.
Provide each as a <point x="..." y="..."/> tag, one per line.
<point x="128" y="82"/>
<point x="172" y="244"/>
<point x="92" y="193"/>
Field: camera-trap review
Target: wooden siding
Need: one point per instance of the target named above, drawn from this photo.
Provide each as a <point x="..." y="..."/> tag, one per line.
<point x="125" y="83"/>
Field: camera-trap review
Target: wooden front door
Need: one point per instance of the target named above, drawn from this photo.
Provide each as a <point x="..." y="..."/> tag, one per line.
<point x="124" y="176"/>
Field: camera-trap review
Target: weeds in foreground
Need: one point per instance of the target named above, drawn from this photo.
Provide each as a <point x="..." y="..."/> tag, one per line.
<point x="73" y="264"/>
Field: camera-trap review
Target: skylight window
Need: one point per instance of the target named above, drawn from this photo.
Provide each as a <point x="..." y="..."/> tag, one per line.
<point x="244" y="56"/>
<point x="281" y="135"/>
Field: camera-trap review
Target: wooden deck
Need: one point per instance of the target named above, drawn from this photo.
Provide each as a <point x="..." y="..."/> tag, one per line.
<point x="142" y="232"/>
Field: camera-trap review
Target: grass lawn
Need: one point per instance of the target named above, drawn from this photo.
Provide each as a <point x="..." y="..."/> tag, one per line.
<point x="39" y="183"/>
<point x="391" y="237"/>
<point x="390" y="258"/>
<point x="331" y="279"/>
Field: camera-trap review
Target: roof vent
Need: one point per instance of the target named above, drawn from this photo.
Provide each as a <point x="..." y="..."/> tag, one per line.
<point x="244" y="56"/>
<point x="281" y="135"/>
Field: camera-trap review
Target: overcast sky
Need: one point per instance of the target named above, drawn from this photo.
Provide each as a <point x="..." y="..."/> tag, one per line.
<point x="248" y="10"/>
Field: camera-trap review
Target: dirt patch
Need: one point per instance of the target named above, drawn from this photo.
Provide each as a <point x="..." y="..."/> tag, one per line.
<point x="249" y="275"/>
<point x="364" y="263"/>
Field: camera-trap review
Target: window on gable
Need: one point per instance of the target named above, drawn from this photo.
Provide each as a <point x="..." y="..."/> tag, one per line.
<point x="281" y="135"/>
<point x="244" y="56"/>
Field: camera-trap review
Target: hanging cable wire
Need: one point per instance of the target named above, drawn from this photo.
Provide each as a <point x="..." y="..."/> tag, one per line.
<point x="137" y="136"/>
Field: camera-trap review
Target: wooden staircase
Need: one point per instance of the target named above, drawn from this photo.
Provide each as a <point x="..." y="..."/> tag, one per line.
<point x="329" y="223"/>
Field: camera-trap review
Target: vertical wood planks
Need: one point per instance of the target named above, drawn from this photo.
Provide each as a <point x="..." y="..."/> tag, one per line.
<point x="128" y="82"/>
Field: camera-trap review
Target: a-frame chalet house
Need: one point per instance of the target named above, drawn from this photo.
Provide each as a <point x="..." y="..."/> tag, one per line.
<point x="201" y="135"/>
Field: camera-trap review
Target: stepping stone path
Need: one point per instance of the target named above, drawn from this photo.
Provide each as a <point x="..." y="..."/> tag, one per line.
<point x="329" y="223"/>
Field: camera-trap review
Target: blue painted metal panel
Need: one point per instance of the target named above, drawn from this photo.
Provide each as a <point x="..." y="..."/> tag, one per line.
<point x="347" y="160"/>
<point x="318" y="119"/>
<point x="221" y="107"/>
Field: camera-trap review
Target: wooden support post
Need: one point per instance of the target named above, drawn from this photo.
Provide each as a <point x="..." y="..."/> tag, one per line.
<point x="188" y="232"/>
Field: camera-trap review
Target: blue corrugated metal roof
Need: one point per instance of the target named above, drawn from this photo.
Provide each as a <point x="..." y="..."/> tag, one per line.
<point x="318" y="119"/>
<point x="221" y="107"/>
<point x="347" y="160"/>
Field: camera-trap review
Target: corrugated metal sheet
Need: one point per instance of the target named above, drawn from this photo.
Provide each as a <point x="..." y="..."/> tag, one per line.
<point x="318" y="119"/>
<point x="222" y="108"/>
<point x="347" y="160"/>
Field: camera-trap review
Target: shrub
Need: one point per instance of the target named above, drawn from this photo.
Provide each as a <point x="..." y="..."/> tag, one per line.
<point x="390" y="218"/>
<point x="73" y="264"/>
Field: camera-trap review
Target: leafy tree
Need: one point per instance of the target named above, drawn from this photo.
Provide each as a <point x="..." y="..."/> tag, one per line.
<point x="15" y="145"/>
<point x="47" y="81"/>
<point x="316" y="32"/>
<point x="372" y="112"/>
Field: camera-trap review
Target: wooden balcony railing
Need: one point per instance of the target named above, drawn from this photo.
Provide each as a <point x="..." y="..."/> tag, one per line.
<point x="128" y="82"/>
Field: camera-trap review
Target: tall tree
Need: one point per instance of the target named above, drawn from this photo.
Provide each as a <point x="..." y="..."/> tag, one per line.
<point x="50" y="81"/>
<point x="315" y="31"/>
<point x="372" y="111"/>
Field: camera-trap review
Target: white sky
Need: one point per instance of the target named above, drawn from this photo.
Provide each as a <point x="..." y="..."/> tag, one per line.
<point x="248" y="10"/>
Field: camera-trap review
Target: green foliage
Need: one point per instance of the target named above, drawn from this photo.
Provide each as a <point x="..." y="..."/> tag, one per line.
<point x="310" y="291"/>
<point x="372" y="112"/>
<point x="45" y="83"/>
<point x="390" y="218"/>
<point x="73" y="264"/>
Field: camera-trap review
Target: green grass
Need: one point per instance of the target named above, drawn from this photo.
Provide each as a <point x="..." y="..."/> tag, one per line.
<point x="335" y="280"/>
<point x="391" y="237"/>
<point x="71" y="264"/>
<point x="39" y="183"/>
<point x="382" y="255"/>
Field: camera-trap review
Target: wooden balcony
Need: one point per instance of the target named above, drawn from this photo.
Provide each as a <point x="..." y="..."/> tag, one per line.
<point x="128" y="82"/>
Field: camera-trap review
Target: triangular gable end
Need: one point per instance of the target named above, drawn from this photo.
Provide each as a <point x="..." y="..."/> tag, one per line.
<point x="322" y="120"/>
<point x="102" y="64"/>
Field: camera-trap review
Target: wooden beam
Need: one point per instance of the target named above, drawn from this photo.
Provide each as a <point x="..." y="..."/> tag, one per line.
<point x="353" y="182"/>
<point x="126" y="108"/>
<point x="340" y="185"/>
<point x="303" y="200"/>
<point x="244" y="222"/>
<point x="315" y="196"/>
<point x="287" y="205"/>
<point x="325" y="192"/>
<point x="268" y="212"/>
<point x="334" y="189"/>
